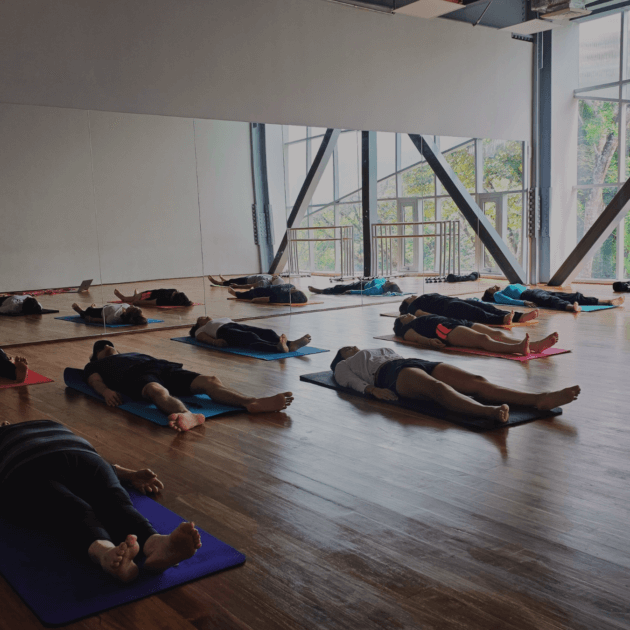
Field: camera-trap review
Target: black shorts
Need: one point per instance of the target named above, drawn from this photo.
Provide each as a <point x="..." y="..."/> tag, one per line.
<point x="175" y="379"/>
<point x="388" y="373"/>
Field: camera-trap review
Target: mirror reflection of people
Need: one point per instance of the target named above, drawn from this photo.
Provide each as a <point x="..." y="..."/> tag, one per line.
<point x="155" y="297"/>
<point x="222" y="332"/>
<point x="437" y="332"/>
<point x="13" y="368"/>
<point x="258" y="280"/>
<point x="112" y="314"/>
<point x="384" y="374"/>
<point x="282" y="294"/>
<point x="377" y="286"/>
<point x="138" y="376"/>
<point x="56" y="480"/>
<point x="14" y="304"/>
<point x="474" y="310"/>
<point x="520" y="295"/>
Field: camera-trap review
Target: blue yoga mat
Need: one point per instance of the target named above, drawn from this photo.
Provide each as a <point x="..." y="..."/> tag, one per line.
<point x="77" y="319"/>
<point x="598" y="307"/>
<point x="265" y="356"/>
<point x="61" y="588"/>
<point x="197" y="404"/>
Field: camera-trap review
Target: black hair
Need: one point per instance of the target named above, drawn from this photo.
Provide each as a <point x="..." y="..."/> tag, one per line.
<point x="398" y="327"/>
<point x="193" y="330"/>
<point x="98" y="346"/>
<point x="338" y="358"/>
<point x="298" y="297"/>
<point x="394" y="288"/>
<point x="31" y="306"/>
<point x="180" y="299"/>
<point x="621" y="287"/>
<point x="133" y="315"/>
<point x="488" y="296"/>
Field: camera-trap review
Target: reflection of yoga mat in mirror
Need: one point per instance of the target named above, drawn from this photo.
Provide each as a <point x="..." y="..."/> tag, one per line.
<point x="518" y="414"/>
<point x="531" y="322"/>
<point x="484" y="353"/>
<point x="32" y="378"/>
<point x="77" y="319"/>
<point x="155" y="306"/>
<point x="199" y="403"/>
<point x="265" y="356"/>
<point x="60" y="588"/>
<point x="276" y="303"/>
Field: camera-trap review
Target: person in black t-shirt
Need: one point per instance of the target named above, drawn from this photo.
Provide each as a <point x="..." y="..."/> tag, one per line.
<point x="13" y="368"/>
<point x="281" y="294"/>
<point x="474" y="310"/>
<point x="155" y="297"/>
<point x="142" y="376"/>
<point x="435" y="331"/>
<point x="76" y="495"/>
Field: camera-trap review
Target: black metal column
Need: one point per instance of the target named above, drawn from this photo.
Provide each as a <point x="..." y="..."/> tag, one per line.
<point x="544" y="156"/>
<point x="368" y="195"/>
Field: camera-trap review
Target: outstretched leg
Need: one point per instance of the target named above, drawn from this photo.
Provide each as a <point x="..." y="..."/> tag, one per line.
<point x="130" y="299"/>
<point x="220" y="283"/>
<point x="471" y="338"/>
<point x="179" y="417"/>
<point x="534" y="346"/>
<point x="618" y="301"/>
<point x="475" y="385"/>
<point x="214" y="388"/>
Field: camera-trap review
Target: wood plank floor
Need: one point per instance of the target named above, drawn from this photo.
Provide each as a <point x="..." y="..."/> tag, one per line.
<point x="362" y="516"/>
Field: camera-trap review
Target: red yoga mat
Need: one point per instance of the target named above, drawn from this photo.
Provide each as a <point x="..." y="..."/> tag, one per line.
<point x="33" y="378"/>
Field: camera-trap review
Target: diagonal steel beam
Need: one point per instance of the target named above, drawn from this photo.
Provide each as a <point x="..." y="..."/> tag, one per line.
<point x="603" y="227"/>
<point x="303" y="200"/>
<point x="497" y="247"/>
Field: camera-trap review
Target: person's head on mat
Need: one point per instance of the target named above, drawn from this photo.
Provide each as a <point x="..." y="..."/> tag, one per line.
<point x="31" y="306"/>
<point x="402" y="321"/>
<point x="133" y="315"/>
<point x="201" y="321"/>
<point x="180" y="299"/>
<point x="403" y="309"/>
<point x="342" y="354"/>
<point x="102" y="348"/>
<point x="391" y="287"/>
<point x="488" y="295"/>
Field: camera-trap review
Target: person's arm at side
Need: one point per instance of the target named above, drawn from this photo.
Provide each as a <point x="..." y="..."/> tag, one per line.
<point x="93" y="320"/>
<point x="144" y="480"/>
<point x="112" y="398"/>
<point x="211" y="341"/>
<point x="501" y="298"/>
<point x="424" y="342"/>
<point x="261" y="299"/>
<point x="244" y="287"/>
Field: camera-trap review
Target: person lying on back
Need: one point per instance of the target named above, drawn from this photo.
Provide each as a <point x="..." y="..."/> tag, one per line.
<point x="282" y="294"/>
<point x="112" y="314"/>
<point x="155" y="297"/>
<point x="256" y="281"/>
<point x="377" y="286"/>
<point x="16" y="304"/>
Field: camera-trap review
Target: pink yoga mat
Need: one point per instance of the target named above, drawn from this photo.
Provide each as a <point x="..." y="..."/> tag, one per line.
<point x="484" y="353"/>
<point x="532" y="322"/>
<point x="153" y="306"/>
<point x="33" y="378"/>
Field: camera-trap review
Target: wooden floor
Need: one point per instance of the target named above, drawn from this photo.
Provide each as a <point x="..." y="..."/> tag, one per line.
<point x="356" y="515"/>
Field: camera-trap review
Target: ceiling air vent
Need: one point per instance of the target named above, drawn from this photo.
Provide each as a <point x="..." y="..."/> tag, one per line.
<point x="560" y="9"/>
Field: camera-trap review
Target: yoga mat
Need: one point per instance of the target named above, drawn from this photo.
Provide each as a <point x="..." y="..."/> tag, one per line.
<point x="484" y="353"/>
<point x="197" y="404"/>
<point x="32" y="378"/>
<point x="155" y="306"/>
<point x="276" y="304"/>
<point x="518" y="414"/>
<point x="45" y="311"/>
<point x="60" y="587"/>
<point x="598" y="307"/>
<point x="265" y="356"/>
<point x="531" y="322"/>
<point x="77" y="319"/>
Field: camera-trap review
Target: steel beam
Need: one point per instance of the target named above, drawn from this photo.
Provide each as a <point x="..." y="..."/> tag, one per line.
<point x="544" y="155"/>
<point x="495" y="245"/>
<point x="305" y="195"/>
<point x="262" y="213"/>
<point x="603" y="227"/>
<point x="368" y="195"/>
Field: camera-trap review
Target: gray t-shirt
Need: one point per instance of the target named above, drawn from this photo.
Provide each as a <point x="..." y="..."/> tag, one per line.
<point x="263" y="280"/>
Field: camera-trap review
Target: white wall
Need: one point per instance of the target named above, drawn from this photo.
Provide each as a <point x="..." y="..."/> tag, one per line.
<point x="305" y="62"/>
<point x="564" y="140"/>
<point x="144" y="195"/>
<point x="275" y="176"/>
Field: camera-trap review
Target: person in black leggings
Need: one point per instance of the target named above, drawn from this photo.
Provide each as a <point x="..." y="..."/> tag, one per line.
<point x="155" y="297"/>
<point x="282" y="294"/>
<point x="222" y="332"/>
<point x="55" y="479"/>
<point x="474" y="310"/>
<point x="13" y="368"/>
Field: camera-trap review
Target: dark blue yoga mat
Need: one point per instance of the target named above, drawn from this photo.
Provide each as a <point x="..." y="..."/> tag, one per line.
<point x="77" y="319"/>
<point x="60" y="587"/>
<point x="197" y="404"/>
<point x="265" y="356"/>
<point x="518" y="414"/>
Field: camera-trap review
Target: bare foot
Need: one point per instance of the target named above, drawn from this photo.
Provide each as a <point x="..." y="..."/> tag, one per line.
<point x="501" y="413"/>
<point x="77" y="308"/>
<point x="222" y="278"/>
<point x="575" y="307"/>
<point x="119" y="295"/>
<point x="549" y="400"/>
<point x="299" y="343"/>
<point x="219" y="282"/>
<point x="6" y="423"/>
<point x="231" y="291"/>
<point x="21" y="369"/>
<point x="272" y="403"/>
<point x="527" y="317"/>
<point x="523" y="347"/>
<point x="185" y="421"/>
<point x="543" y="344"/>
<point x="117" y="560"/>
<point x="282" y="344"/>
<point x="507" y="320"/>
<point x="163" y="552"/>
<point x="315" y="290"/>
<point x="617" y="301"/>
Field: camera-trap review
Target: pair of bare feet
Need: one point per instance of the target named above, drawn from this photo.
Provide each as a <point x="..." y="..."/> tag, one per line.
<point x="284" y="345"/>
<point x="527" y="347"/>
<point x="525" y="317"/>
<point x="162" y="552"/>
<point x="21" y="368"/>
<point x="184" y="421"/>
<point x="545" y="402"/>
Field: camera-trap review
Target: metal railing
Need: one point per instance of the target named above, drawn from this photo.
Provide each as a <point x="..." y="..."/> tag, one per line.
<point x="344" y="234"/>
